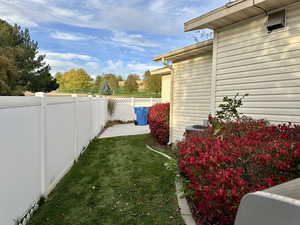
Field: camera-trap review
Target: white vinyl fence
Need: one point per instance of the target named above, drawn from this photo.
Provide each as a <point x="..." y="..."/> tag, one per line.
<point x="124" y="107"/>
<point x="41" y="137"/>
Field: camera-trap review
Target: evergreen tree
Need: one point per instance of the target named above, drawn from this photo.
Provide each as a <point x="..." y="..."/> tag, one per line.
<point x="112" y="80"/>
<point x="106" y="89"/>
<point x="26" y="67"/>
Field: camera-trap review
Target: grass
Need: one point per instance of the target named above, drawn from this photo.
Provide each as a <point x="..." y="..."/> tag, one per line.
<point x="137" y="94"/>
<point x="117" y="181"/>
<point x="121" y="93"/>
<point x="168" y="150"/>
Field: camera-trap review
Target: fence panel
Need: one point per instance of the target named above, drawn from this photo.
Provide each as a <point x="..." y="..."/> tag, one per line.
<point x="40" y="139"/>
<point x="124" y="107"/>
<point x="20" y="156"/>
<point x="60" y="131"/>
<point x="83" y="123"/>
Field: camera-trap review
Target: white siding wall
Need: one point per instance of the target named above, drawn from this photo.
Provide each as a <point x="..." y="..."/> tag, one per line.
<point x="166" y="88"/>
<point x="191" y="90"/>
<point x="265" y="65"/>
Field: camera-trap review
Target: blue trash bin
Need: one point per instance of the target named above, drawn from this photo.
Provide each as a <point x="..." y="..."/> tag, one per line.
<point x="141" y="115"/>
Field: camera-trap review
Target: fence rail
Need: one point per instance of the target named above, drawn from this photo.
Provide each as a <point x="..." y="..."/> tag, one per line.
<point x="124" y="107"/>
<point x="41" y="137"/>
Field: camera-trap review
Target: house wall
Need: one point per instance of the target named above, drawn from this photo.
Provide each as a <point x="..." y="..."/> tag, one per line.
<point x="166" y="88"/>
<point x="265" y="65"/>
<point x="191" y="93"/>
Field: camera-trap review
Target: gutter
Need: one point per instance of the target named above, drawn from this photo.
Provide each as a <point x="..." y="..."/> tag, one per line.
<point x="184" y="51"/>
<point x="208" y="20"/>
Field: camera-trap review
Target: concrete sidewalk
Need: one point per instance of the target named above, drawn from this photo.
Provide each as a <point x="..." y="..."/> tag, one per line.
<point x="125" y="130"/>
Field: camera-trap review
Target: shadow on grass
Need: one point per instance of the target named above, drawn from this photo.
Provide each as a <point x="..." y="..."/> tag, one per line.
<point x="115" y="182"/>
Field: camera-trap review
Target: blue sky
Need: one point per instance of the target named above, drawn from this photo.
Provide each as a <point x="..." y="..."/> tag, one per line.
<point x="106" y="36"/>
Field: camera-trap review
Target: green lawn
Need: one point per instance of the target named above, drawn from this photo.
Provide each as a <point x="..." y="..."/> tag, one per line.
<point x="121" y="92"/>
<point x="136" y="94"/>
<point x="117" y="181"/>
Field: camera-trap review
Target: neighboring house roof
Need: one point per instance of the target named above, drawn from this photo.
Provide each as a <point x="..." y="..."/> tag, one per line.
<point x="161" y="71"/>
<point x="234" y="12"/>
<point x="186" y="52"/>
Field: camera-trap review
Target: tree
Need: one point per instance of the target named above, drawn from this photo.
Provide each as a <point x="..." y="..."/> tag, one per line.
<point x="131" y="84"/>
<point x="44" y="82"/>
<point x="30" y="71"/>
<point x="112" y="80"/>
<point x="120" y="78"/>
<point x="154" y="84"/>
<point x="106" y="89"/>
<point x="98" y="82"/>
<point x="74" y="79"/>
<point x="137" y="77"/>
<point x="147" y="77"/>
<point x="9" y="78"/>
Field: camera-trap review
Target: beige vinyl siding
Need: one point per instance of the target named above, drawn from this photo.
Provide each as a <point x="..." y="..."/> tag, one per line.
<point x="166" y="88"/>
<point x="265" y="65"/>
<point x="191" y="93"/>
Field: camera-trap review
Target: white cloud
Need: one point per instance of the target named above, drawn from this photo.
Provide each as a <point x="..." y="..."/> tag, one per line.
<point x="66" y="56"/>
<point x="14" y="14"/>
<point x="70" y="36"/>
<point x="120" y="67"/>
<point x="60" y="66"/>
<point x="61" y="62"/>
<point x="141" y="67"/>
<point x="132" y="39"/>
<point x="93" y="68"/>
<point x="156" y="17"/>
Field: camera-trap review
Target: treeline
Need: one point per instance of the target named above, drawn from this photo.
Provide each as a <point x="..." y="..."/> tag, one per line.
<point x="78" y="80"/>
<point x="21" y="67"/>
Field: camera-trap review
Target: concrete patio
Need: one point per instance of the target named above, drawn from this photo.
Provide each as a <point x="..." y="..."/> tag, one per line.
<point x="125" y="130"/>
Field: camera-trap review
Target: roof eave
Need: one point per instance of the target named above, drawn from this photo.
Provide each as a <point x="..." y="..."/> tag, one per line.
<point x="206" y="20"/>
<point x="234" y="12"/>
<point x="187" y="51"/>
<point x="161" y="71"/>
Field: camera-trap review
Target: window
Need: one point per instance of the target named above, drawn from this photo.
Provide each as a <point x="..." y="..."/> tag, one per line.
<point x="276" y="20"/>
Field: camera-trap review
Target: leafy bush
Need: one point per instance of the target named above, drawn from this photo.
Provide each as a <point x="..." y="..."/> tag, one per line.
<point x="246" y="156"/>
<point x="159" y="116"/>
<point x="229" y="109"/>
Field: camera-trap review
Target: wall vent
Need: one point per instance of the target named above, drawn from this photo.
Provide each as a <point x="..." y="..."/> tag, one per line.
<point x="276" y="20"/>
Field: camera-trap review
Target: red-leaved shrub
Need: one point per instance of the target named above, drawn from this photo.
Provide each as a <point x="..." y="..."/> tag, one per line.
<point x="245" y="156"/>
<point x="159" y="115"/>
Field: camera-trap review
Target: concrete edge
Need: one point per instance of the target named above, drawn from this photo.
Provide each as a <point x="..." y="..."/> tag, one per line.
<point x="185" y="210"/>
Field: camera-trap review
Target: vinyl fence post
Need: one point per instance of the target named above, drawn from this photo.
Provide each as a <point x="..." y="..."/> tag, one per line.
<point x="75" y="140"/>
<point x="91" y="117"/>
<point x="104" y="104"/>
<point x="151" y="101"/>
<point x="43" y="142"/>
<point x="133" y="104"/>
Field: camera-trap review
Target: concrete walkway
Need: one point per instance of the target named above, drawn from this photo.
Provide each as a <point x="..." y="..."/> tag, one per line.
<point x="125" y="130"/>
